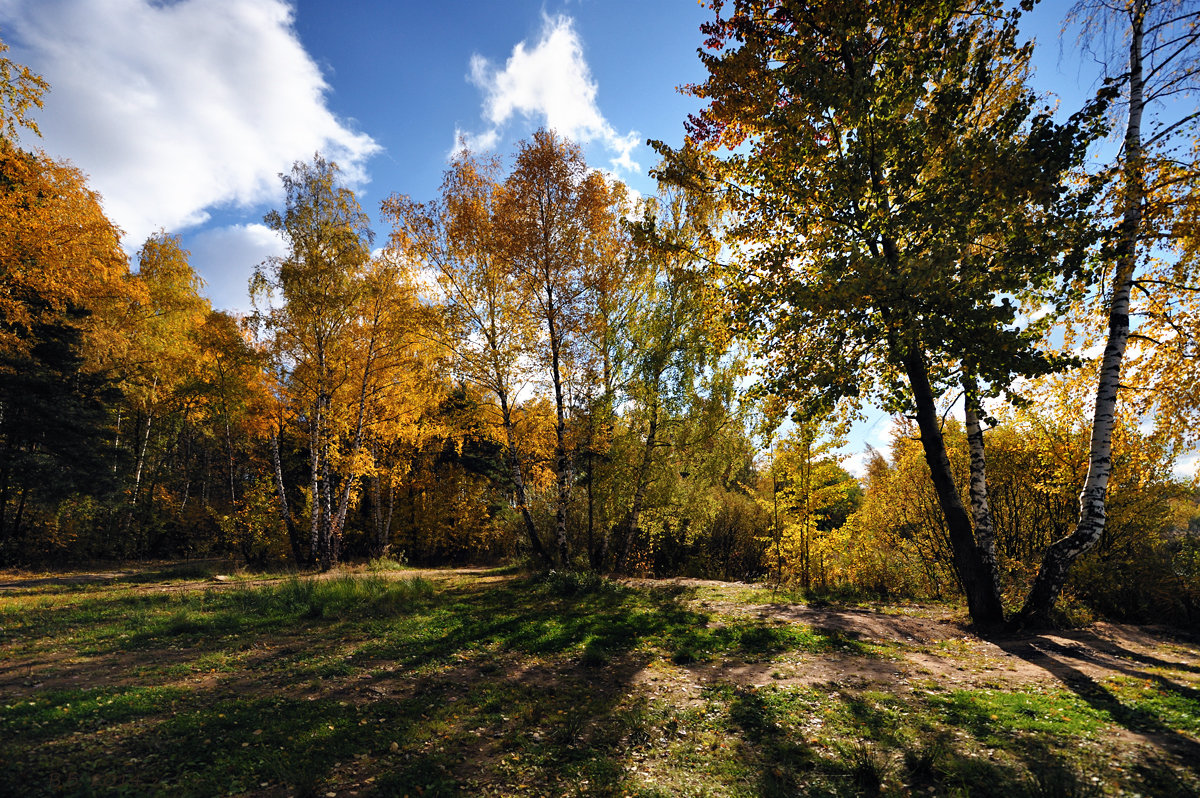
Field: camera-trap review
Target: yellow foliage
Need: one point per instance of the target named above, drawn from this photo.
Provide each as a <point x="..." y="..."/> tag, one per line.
<point x="60" y="256"/>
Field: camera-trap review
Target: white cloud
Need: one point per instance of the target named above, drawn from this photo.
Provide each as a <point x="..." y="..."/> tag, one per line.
<point x="856" y="463"/>
<point x="226" y="256"/>
<point x="1041" y="313"/>
<point x="475" y="142"/>
<point x="174" y="108"/>
<point x="1187" y="467"/>
<point x="872" y="433"/>
<point x="881" y="430"/>
<point x="552" y="83"/>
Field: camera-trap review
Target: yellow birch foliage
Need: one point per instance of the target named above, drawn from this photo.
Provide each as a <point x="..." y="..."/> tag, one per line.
<point x="21" y="91"/>
<point x="805" y="491"/>
<point x="1164" y="356"/>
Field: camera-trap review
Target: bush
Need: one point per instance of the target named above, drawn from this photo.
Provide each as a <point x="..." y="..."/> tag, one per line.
<point x="566" y="584"/>
<point x="397" y="562"/>
<point x="341" y="597"/>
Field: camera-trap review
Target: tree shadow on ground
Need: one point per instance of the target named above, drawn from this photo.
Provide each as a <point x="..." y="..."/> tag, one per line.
<point x="1139" y="721"/>
<point x="511" y="685"/>
<point x="881" y="748"/>
<point x="458" y="688"/>
<point x="1111" y="647"/>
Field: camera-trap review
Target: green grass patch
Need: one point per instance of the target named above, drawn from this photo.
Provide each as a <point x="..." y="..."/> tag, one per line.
<point x="548" y="684"/>
<point x="1159" y="701"/>
<point x="388" y="564"/>
<point x="993" y="716"/>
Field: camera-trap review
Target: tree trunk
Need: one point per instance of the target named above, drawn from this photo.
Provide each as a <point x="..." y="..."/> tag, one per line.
<point x="985" y="533"/>
<point x="592" y="550"/>
<point x="356" y="442"/>
<point x="983" y="601"/>
<point x="285" y="513"/>
<point x="331" y="533"/>
<point x="561" y="469"/>
<point x="630" y="524"/>
<point x="143" y="448"/>
<point x="514" y="466"/>
<point x="5" y="482"/>
<point x="16" y="525"/>
<point x="314" y="486"/>
<point x="383" y="521"/>
<point x="1092" y="500"/>
<point x="229" y="451"/>
<point x="117" y="443"/>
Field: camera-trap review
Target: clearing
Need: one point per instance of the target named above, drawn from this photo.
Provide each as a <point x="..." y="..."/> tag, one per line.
<point x="180" y="680"/>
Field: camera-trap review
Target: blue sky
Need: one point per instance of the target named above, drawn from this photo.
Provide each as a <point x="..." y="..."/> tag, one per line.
<point x="183" y="112"/>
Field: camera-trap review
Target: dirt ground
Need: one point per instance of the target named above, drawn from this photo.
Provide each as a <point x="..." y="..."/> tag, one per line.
<point x="914" y="649"/>
<point x="926" y="642"/>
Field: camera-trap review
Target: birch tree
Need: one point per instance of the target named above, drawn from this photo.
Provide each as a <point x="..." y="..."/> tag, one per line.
<point x="675" y="335"/>
<point x="552" y="217"/>
<point x="1160" y="66"/>
<point x="487" y="324"/>
<point x="319" y="285"/>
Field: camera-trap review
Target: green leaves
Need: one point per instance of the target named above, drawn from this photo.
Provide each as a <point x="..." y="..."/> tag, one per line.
<point x="890" y="187"/>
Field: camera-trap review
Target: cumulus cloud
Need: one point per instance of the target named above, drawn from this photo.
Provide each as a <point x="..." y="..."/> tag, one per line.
<point x="174" y="108"/>
<point x="226" y="256"/>
<point x="549" y="82"/>
<point x="1187" y="467"/>
<point x="856" y="464"/>
<point x="868" y="436"/>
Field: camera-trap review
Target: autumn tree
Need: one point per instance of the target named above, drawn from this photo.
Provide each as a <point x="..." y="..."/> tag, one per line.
<point x="62" y="271"/>
<point x="320" y="285"/>
<point x="807" y="494"/>
<point x="161" y="348"/>
<point x="21" y="90"/>
<point x="487" y="323"/>
<point x="672" y="335"/>
<point x="893" y="195"/>
<point x="401" y="386"/>
<point x="1154" y="185"/>
<point x="231" y="410"/>
<point x="700" y="514"/>
<point x="616" y="283"/>
<point x="898" y="542"/>
<point x="555" y="216"/>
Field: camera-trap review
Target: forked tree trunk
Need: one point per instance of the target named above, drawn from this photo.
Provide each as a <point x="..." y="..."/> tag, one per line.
<point x="1060" y="555"/>
<point x="983" y="600"/>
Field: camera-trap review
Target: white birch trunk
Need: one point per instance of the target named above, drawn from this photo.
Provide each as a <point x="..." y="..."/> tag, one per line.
<point x="1090" y="526"/>
<point x="981" y="515"/>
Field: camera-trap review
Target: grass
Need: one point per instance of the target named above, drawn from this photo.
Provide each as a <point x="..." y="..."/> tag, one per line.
<point x="378" y="683"/>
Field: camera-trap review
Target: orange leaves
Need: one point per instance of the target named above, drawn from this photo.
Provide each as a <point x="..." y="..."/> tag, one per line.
<point x="20" y="92"/>
<point x="59" y="254"/>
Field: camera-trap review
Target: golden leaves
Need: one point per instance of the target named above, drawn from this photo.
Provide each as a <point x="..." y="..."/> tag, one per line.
<point x="60" y="256"/>
<point x="20" y="92"/>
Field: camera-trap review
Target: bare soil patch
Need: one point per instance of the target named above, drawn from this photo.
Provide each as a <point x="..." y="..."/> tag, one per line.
<point x="492" y="703"/>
